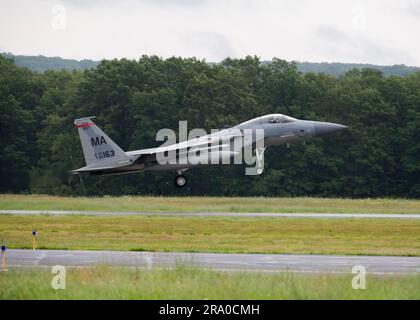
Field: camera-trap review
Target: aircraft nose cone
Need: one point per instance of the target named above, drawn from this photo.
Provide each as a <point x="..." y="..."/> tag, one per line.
<point x="324" y="128"/>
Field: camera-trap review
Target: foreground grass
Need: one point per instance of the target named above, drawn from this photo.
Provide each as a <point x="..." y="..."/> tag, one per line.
<point x="185" y="283"/>
<point x="215" y="234"/>
<point x="209" y="204"/>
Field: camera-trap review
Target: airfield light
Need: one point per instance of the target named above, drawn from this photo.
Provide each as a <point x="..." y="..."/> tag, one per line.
<point x="3" y="258"/>
<point x="33" y="239"/>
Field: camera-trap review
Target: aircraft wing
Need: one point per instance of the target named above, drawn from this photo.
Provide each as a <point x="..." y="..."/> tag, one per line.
<point x="165" y="149"/>
<point x="201" y="144"/>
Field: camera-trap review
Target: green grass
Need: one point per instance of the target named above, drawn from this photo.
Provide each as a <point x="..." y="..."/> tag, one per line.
<point x="103" y="282"/>
<point x="215" y="234"/>
<point x="209" y="204"/>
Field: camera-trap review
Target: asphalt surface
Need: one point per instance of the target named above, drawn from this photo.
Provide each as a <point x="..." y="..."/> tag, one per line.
<point x="221" y="214"/>
<point x="249" y="262"/>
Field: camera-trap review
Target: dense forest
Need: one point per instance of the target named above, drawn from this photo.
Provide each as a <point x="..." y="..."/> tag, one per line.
<point x="379" y="156"/>
<point x="42" y="63"/>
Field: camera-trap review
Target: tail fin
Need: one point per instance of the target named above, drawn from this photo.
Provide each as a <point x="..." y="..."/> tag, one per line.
<point x="99" y="150"/>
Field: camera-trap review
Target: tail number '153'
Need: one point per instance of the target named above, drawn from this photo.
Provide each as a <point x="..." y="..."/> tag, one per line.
<point x="105" y="154"/>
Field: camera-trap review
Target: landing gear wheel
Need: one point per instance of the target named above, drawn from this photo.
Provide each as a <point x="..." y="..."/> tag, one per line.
<point x="180" y="181"/>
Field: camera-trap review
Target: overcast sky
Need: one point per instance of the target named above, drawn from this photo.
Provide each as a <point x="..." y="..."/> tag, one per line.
<point x="364" y="31"/>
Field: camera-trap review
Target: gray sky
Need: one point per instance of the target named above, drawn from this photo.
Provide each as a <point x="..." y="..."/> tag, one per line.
<point x="369" y="31"/>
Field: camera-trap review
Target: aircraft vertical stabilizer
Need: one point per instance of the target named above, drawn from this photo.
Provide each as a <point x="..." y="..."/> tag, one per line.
<point x="99" y="150"/>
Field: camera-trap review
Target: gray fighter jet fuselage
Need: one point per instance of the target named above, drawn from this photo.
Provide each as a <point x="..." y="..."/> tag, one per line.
<point x="104" y="157"/>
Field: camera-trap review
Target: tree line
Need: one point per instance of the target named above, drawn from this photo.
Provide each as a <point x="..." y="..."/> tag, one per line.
<point x="42" y="63"/>
<point x="379" y="156"/>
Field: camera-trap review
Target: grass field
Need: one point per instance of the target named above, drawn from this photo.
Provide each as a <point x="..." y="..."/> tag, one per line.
<point x="103" y="282"/>
<point x="209" y="204"/>
<point x="215" y="234"/>
<point x="208" y="234"/>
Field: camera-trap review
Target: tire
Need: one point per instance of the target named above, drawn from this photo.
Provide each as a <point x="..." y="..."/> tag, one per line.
<point x="180" y="181"/>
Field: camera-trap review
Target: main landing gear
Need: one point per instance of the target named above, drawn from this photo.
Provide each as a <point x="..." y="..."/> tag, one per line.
<point x="180" y="180"/>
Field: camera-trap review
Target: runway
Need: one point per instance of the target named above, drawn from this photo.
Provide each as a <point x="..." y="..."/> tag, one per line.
<point x="219" y="214"/>
<point x="232" y="262"/>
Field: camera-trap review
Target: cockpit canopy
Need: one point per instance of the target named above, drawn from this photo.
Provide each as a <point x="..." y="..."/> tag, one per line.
<point x="270" y="118"/>
<point x="277" y="118"/>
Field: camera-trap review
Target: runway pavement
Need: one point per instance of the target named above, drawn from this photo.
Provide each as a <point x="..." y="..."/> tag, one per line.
<point x="249" y="262"/>
<point x="221" y="214"/>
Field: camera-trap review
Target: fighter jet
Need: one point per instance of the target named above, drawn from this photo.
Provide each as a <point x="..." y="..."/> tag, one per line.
<point x="104" y="157"/>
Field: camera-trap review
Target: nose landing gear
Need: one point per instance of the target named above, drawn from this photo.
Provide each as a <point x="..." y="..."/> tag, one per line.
<point x="259" y="153"/>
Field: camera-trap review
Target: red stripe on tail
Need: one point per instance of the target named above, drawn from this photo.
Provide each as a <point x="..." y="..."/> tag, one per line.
<point x="88" y="124"/>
